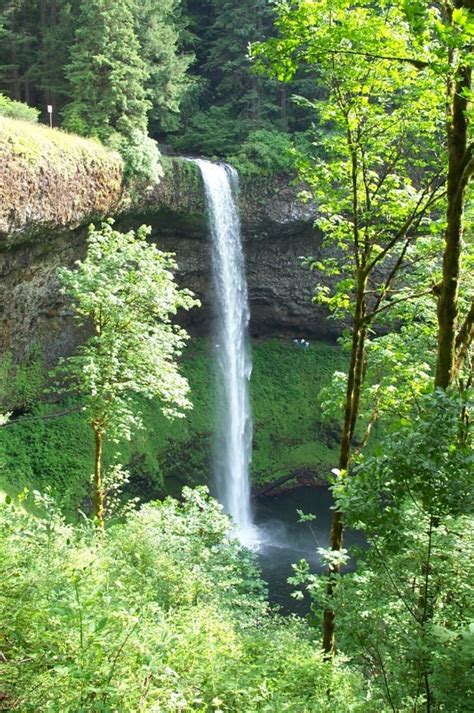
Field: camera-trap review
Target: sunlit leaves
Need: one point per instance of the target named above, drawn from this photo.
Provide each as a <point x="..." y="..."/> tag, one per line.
<point x="125" y="291"/>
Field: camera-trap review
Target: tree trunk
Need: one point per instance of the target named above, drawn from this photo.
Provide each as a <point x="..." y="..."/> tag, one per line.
<point x="351" y="410"/>
<point x="464" y="339"/>
<point x="98" y="482"/>
<point x="458" y="156"/>
<point x="284" y="122"/>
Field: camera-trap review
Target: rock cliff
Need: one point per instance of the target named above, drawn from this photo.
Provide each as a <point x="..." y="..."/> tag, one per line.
<point x="47" y="203"/>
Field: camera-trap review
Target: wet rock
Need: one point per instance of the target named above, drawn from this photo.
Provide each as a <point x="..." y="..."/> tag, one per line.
<point x="277" y="229"/>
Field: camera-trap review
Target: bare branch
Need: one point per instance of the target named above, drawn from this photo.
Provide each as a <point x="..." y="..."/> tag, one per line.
<point x="392" y="274"/>
<point x="369" y="317"/>
<point x="412" y="219"/>
<point x="418" y="63"/>
<point x="43" y="417"/>
<point x="464" y="339"/>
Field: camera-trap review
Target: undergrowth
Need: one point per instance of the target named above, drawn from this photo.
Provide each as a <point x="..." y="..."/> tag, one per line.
<point x="161" y="613"/>
<point x="289" y="434"/>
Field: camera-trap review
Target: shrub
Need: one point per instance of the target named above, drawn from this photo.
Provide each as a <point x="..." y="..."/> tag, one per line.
<point x="162" y="613"/>
<point x="265" y="152"/>
<point x="17" y="110"/>
<point x="141" y="156"/>
<point x="212" y="133"/>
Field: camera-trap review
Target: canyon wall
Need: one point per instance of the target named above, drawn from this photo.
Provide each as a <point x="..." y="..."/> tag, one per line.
<point x="47" y="204"/>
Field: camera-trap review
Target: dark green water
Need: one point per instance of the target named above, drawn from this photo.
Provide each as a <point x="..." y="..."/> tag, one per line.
<point x="286" y="541"/>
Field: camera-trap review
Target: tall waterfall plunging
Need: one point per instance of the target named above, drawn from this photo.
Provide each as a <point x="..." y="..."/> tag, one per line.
<point x="234" y="423"/>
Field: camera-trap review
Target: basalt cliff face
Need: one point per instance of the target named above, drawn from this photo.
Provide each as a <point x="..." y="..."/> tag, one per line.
<point x="43" y="217"/>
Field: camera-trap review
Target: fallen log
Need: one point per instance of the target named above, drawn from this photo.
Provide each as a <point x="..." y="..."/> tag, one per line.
<point x="268" y="487"/>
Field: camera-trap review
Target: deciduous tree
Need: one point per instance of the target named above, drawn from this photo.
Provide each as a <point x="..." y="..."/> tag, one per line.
<point x="125" y="291"/>
<point x="375" y="173"/>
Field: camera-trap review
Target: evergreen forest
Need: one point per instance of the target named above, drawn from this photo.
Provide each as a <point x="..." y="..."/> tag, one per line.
<point x="236" y="356"/>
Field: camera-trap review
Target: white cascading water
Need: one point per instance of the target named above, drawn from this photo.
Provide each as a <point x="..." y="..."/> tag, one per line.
<point x="234" y="423"/>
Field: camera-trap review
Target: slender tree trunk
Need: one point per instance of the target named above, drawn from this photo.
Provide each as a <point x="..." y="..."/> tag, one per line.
<point x="458" y="156"/>
<point x="464" y="340"/>
<point x="351" y="410"/>
<point x="98" y="482"/>
<point x="16" y="75"/>
<point x="284" y="121"/>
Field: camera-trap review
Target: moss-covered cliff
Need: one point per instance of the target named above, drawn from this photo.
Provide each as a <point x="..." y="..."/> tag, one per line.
<point x="53" y="184"/>
<point x="51" y="180"/>
<point x="289" y="434"/>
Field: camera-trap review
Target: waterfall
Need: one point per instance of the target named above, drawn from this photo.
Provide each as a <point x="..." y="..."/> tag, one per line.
<point x="233" y="422"/>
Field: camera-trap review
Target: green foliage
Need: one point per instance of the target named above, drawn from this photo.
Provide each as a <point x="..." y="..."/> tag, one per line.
<point x="290" y="432"/>
<point x="159" y="30"/>
<point x="33" y="456"/>
<point x="125" y="288"/>
<point x="405" y="617"/>
<point x="374" y="171"/>
<point x="426" y="456"/>
<point x="112" y="60"/>
<point x="399" y="371"/>
<point x="289" y="429"/>
<point x="219" y="33"/>
<point x="367" y="194"/>
<point x="212" y="133"/>
<point x="254" y="152"/>
<point x="179" y="68"/>
<point x="163" y="612"/>
<point x="142" y="159"/>
<point x="17" y="110"/>
<point x="106" y="72"/>
<point x="265" y="152"/>
<point x="22" y="384"/>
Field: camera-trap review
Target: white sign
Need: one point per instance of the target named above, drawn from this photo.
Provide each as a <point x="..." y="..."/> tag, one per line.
<point x="50" y="108"/>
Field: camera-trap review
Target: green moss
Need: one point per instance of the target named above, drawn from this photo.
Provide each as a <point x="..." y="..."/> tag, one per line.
<point x="40" y="146"/>
<point x="288" y="430"/>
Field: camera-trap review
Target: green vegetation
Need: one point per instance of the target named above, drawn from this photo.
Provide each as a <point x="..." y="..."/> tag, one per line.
<point x="107" y="77"/>
<point x="38" y="146"/>
<point x="84" y="178"/>
<point x="412" y="629"/>
<point x="106" y="73"/>
<point x="125" y="290"/>
<point x="162" y="613"/>
<point x="161" y="609"/>
<point x="382" y="135"/>
<point x="103" y="67"/>
<point x="178" y="70"/>
<point x="289" y="430"/>
<point x="17" y="110"/>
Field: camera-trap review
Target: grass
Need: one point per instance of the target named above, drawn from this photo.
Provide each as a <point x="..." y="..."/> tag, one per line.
<point x="289" y="432"/>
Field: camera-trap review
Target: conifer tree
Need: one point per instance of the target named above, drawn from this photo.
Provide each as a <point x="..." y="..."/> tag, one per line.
<point x="57" y="21"/>
<point x="18" y="22"/>
<point x="158" y="28"/>
<point x="106" y="72"/>
<point x="228" y="65"/>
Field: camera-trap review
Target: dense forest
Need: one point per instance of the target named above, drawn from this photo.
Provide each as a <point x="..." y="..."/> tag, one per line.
<point x="125" y="585"/>
<point x="181" y="69"/>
